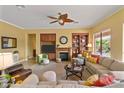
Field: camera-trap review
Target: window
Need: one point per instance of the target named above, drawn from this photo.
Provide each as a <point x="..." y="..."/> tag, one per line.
<point x="102" y="43"/>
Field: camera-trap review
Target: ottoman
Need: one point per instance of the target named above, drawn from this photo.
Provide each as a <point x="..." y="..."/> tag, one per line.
<point x="46" y="61"/>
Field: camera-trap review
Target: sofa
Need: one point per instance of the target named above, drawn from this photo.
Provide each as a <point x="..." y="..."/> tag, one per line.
<point x="32" y="81"/>
<point x="105" y="65"/>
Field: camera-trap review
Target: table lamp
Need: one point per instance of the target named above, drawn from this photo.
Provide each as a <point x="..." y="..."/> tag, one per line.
<point x="6" y="60"/>
<point x="89" y="45"/>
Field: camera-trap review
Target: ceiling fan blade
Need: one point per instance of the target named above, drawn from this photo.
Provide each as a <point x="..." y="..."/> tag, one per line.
<point x="52" y="17"/>
<point x="69" y="20"/>
<point x="64" y="16"/>
<point x="53" y="22"/>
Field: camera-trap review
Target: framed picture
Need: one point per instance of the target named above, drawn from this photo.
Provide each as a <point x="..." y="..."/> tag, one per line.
<point x="8" y="42"/>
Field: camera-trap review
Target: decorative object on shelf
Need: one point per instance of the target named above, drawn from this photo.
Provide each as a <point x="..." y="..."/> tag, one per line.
<point x="63" y="40"/>
<point x="61" y="19"/>
<point x="16" y="56"/>
<point x="8" y="42"/>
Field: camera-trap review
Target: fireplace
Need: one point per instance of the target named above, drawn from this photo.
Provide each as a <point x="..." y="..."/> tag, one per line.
<point x="63" y="53"/>
<point x="64" y="56"/>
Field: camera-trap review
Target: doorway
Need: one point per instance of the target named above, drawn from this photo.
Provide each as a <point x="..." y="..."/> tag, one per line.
<point x="31" y="46"/>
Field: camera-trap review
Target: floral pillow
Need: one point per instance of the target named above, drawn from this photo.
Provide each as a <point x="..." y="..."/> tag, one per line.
<point x="104" y="80"/>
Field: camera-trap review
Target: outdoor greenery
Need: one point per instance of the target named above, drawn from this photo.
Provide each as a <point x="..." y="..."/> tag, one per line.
<point x="105" y="46"/>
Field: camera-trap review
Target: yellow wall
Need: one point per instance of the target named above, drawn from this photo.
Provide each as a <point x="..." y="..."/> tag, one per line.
<point x="58" y="32"/>
<point x="11" y="31"/>
<point x="115" y="23"/>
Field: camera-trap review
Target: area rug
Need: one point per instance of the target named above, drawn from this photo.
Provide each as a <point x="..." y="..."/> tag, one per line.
<point x="58" y="68"/>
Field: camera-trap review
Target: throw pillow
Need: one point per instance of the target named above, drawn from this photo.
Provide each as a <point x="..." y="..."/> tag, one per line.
<point x="104" y="80"/>
<point x="92" y="60"/>
<point x="91" y="80"/>
<point x="96" y="56"/>
<point x="85" y="53"/>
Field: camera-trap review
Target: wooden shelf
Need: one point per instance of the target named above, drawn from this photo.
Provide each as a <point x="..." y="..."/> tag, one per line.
<point x="48" y="39"/>
<point x="79" y="43"/>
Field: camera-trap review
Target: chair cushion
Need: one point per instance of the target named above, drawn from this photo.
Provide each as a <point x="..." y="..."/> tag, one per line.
<point x="107" y="62"/>
<point x="117" y="66"/>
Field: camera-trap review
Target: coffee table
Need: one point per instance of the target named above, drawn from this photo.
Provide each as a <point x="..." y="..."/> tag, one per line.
<point x="74" y="70"/>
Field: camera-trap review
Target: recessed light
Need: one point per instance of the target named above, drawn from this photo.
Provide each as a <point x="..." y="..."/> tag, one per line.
<point x="20" y="6"/>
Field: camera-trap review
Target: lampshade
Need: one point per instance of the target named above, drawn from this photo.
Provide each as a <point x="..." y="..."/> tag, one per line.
<point x="89" y="45"/>
<point x="6" y="60"/>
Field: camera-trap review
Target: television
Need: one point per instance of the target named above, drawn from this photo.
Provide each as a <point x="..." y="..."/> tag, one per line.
<point x="48" y="48"/>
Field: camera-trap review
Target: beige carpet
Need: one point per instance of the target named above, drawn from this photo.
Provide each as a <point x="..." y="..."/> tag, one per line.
<point x="52" y="66"/>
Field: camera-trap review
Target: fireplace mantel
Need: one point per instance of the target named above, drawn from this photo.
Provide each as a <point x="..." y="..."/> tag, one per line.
<point x="63" y="49"/>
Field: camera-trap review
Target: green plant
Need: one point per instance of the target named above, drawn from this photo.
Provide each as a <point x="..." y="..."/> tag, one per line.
<point x="7" y="77"/>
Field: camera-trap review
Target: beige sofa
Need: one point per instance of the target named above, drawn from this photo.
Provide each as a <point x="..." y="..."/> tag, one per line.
<point x="106" y="65"/>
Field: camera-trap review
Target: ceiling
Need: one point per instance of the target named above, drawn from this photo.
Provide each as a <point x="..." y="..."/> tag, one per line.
<point x="35" y="16"/>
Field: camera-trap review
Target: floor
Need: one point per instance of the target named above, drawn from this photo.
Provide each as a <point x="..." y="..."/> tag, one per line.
<point x="52" y="66"/>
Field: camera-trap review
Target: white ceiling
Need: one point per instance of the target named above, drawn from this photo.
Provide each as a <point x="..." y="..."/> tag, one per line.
<point x="35" y="16"/>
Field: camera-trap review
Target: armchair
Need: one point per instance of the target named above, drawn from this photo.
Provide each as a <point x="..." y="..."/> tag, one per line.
<point x="41" y="58"/>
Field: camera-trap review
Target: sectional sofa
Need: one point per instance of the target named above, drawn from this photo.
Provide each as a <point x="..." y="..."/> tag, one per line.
<point x="33" y="82"/>
<point x="105" y="65"/>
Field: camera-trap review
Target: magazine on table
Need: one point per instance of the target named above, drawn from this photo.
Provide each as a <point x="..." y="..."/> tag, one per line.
<point x="77" y="68"/>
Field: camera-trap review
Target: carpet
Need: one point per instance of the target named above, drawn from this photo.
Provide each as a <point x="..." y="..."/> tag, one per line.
<point x="58" y="68"/>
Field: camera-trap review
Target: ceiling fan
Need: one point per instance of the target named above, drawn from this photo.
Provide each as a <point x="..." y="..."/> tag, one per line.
<point x="62" y="19"/>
